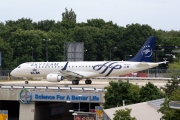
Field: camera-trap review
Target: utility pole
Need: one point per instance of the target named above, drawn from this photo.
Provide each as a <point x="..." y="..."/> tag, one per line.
<point x="47" y="40"/>
<point x="32" y="52"/>
<point x="110" y="52"/>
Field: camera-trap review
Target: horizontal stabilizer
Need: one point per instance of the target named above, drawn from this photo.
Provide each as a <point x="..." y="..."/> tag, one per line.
<point x="143" y="64"/>
<point x="164" y="62"/>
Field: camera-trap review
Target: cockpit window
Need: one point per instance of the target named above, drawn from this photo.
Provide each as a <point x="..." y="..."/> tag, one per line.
<point x="19" y="66"/>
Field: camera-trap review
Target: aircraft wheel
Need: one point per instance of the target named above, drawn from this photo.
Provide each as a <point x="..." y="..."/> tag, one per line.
<point x="75" y="82"/>
<point x="88" y="81"/>
<point x="26" y="82"/>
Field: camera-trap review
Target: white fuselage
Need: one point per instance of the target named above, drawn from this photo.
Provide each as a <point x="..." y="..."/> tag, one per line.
<point x="84" y="69"/>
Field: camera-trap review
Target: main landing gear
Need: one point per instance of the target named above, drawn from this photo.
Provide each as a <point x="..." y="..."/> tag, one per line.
<point x="88" y="81"/>
<point x="75" y="82"/>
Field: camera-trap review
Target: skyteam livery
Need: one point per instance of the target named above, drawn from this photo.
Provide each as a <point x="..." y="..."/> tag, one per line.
<point x="75" y="71"/>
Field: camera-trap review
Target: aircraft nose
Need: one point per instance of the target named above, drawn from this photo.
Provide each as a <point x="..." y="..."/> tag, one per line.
<point x="12" y="73"/>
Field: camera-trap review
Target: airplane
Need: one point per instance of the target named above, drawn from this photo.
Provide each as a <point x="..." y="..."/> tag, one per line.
<point x="76" y="71"/>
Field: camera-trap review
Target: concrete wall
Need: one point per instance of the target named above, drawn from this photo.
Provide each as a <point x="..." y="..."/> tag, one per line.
<point x="27" y="111"/>
<point x="9" y="94"/>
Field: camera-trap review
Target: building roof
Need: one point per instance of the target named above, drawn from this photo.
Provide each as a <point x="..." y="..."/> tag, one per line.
<point x="141" y="111"/>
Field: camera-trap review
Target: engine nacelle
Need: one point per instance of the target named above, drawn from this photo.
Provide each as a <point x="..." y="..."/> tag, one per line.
<point x="54" y="78"/>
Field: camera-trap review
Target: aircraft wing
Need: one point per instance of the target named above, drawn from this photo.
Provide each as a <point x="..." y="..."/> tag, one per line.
<point x="71" y="74"/>
<point x="67" y="73"/>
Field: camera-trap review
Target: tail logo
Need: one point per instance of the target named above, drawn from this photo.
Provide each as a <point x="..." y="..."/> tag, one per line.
<point x="107" y="66"/>
<point x="146" y="51"/>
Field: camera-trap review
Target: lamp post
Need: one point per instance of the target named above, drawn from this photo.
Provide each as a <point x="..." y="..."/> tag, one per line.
<point x="74" y="114"/>
<point x="125" y="57"/>
<point x="157" y="50"/>
<point x="47" y="48"/>
<point x="110" y="51"/>
<point x="85" y="51"/>
<point x="79" y="104"/>
<point x="32" y="52"/>
<point x="89" y="103"/>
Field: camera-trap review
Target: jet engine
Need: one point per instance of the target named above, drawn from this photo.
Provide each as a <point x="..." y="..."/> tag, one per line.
<point x="54" y="78"/>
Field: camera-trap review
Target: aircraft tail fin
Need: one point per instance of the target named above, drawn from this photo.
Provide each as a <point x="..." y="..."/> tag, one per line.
<point x="145" y="53"/>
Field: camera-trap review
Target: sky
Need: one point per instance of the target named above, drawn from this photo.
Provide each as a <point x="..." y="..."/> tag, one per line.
<point x="159" y="14"/>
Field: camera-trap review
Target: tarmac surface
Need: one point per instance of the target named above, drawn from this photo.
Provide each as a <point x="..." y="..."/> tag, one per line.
<point x="95" y="83"/>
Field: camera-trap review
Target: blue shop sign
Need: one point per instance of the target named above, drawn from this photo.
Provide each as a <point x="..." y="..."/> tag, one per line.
<point x="65" y="97"/>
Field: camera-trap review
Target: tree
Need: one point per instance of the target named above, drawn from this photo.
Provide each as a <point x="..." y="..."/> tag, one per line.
<point x="7" y="54"/>
<point x="169" y="113"/>
<point x="123" y="114"/>
<point x="172" y="92"/>
<point x="45" y="25"/>
<point x="150" y="92"/>
<point x="134" y="36"/>
<point x="173" y="69"/>
<point x="69" y="15"/>
<point x="170" y="86"/>
<point x="22" y="41"/>
<point x="117" y="92"/>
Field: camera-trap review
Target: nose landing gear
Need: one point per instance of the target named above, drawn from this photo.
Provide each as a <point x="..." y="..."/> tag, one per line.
<point x="26" y="81"/>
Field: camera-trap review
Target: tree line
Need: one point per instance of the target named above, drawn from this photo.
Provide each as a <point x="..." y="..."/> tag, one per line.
<point x="19" y="38"/>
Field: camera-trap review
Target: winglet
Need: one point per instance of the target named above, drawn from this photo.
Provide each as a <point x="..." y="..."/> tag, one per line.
<point x="145" y="53"/>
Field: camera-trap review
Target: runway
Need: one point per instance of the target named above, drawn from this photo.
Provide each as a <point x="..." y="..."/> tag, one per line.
<point x="65" y="83"/>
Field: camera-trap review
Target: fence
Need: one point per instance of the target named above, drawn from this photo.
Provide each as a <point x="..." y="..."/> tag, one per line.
<point x="163" y="73"/>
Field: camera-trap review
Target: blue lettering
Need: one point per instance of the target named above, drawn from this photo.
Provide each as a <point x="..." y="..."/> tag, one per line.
<point x="43" y="65"/>
<point x="67" y="98"/>
<point x="94" y="98"/>
<point x="35" y="65"/>
<point x="60" y="97"/>
<point x="56" y="64"/>
<point x="36" y="96"/>
<point x="35" y="73"/>
<point x="51" y="65"/>
<point x="47" y="64"/>
<point x="79" y="97"/>
<point x="44" y="96"/>
<point x="73" y="97"/>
